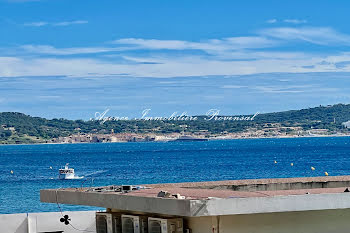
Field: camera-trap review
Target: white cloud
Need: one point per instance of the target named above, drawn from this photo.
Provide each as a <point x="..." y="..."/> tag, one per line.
<point x="50" y="50"/>
<point x="65" y="23"/>
<point x="315" y="35"/>
<point x="245" y="47"/>
<point x="225" y="56"/>
<point x="233" y="86"/>
<point x="295" y="21"/>
<point x="271" y="21"/>
<point x="156" y="44"/>
<point x="166" y="66"/>
<point x="49" y="97"/>
<point x="221" y="53"/>
<point x="292" y="21"/>
<point x="18" y="1"/>
<point x="283" y="89"/>
<point x="213" y="45"/>
<point x="36" y="24"/>
<point x="276" y="89"/>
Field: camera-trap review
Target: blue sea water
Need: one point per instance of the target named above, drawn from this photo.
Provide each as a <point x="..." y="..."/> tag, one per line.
<point x="155" y="162"/>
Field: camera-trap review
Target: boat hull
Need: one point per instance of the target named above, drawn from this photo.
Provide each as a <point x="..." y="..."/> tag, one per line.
<point x="66" y="176"/>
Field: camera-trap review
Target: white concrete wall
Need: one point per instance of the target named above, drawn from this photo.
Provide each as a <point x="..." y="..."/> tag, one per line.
<point x="13" y="223"/>
<point x="46" y="222"/>
<point x="328" y="221"/>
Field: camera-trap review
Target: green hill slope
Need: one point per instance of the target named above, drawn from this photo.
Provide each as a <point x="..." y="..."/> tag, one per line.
<point x="21" y="128"/>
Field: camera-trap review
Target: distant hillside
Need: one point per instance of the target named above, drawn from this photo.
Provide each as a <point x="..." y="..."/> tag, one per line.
<point x="341" y="113"/>
<point x="21" y="128"/>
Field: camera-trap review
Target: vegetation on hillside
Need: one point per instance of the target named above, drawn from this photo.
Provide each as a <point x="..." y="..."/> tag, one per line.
<point x="21" y="128"/>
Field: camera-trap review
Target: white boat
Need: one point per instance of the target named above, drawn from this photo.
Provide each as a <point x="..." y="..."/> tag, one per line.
<point x="67" y="173"/>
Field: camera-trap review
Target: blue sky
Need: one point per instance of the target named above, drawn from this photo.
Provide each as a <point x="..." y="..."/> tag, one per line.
<point x="73" y="58"/>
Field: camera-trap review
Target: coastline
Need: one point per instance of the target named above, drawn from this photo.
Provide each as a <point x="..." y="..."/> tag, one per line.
<point x="209" y="139"/>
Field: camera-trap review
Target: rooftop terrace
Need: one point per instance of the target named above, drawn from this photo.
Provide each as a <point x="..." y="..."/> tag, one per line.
<point x="216" y="197"/>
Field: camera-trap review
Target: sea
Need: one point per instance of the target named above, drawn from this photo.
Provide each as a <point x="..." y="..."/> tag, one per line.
<point x="35" y="167"/>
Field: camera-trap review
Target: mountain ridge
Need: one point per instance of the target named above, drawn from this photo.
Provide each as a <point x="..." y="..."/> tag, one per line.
<point x="18" y="128"/>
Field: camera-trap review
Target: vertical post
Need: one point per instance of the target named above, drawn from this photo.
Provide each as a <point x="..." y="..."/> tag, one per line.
<point x="215" y="224"/>
<point x="32" y="223"/>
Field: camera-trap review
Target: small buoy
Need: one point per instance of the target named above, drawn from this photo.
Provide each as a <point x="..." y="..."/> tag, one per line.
<point x="326" y="173"/>
<point x="312" y="168"/>
<point x="292" y="164"/>
<point x="11" y="172"/>
<point x="50" y="167"/>
<point x="275" y="161"/>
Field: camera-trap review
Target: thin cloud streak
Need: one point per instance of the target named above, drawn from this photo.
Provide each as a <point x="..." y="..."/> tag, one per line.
<point x="164" y="67"/>
<point x="214" y="46"/>
<point x="295" y="21"/>
<point x="50" y="50"/>
<point x="67" y="23"/>
<point x="232" y="43"/>
<point x="58" y="24"/>
<point x="226" y="48"/>
<point x="291" y="21"/>
<point x="315" y="35"/>
<point x="19" y="1"/>
<point x="271" y="21"/>
<point x="36" y="24"/>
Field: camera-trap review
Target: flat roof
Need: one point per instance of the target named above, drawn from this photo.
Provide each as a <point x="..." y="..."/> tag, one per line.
<point x="215" y="197"/>
<point x="256" y="181"/>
